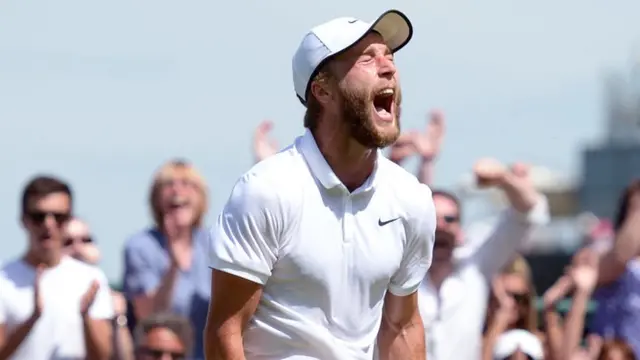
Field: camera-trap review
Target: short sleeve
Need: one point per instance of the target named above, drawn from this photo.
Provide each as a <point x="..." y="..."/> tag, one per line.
<point x="102" y="307"/>
<point x="139" y="277"/>
<point x="418" y="251"/>
<point x="244" y="241"/>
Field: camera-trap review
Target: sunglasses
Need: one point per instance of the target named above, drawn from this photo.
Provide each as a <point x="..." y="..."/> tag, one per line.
<point x="451" y="219"/>
<point x="83" y="239"/>
<point x="519" y="298"/>
<point x="39" y="217"/>
<point x="159" y="353"/>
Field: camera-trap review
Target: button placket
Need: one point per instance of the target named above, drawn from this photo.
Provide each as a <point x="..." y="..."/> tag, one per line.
<point x="347" y="220"/>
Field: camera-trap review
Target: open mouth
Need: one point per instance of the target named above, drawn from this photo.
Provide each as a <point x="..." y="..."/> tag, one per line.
<point x="383" y="103"/>
<point x="178" y="202"/>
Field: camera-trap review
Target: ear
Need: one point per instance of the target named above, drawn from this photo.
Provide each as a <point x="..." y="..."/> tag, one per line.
<point x="23" y="221"/>
<point x="321" y="91"/>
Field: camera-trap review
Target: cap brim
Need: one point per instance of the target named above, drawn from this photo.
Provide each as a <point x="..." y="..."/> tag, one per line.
<point x="394" y="27"/>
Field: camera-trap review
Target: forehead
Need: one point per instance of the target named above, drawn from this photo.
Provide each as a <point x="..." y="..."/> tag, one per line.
<point x="514" y="282"/>
<point x="444" y="205"/>
<point x="53" y="202"/>
<point x="163" y="338"/>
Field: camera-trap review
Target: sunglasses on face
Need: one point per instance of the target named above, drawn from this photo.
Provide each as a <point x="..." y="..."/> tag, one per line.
<point x="520" y="298"/>
<point x="451" y="219"/>
<point x="83" y="239"/>
<point x="159" y="353"/>
<point x="39" y="217"/>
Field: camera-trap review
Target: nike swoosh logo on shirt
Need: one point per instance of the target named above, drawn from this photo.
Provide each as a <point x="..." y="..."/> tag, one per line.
<point x="383" y="223"/>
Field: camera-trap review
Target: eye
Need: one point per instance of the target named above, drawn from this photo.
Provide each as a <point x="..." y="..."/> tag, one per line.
<point x="366" y="58"/>
<point x="390" y="57"/>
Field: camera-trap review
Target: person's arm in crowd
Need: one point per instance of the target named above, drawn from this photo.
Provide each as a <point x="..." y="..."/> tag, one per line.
<point x="527" y="209"/>
<point x="552" y="323"/>
<point x="625" y="247"/>
<point x="244" y="246"/>
<point x="426" y="144"/>
<point x="584" y="274"/>
<point x="498" y="322"/>
<point x="148" y="293"/>
<point x="96" y="310"/>
<point x="122" y="342"/>
<point x="402" y="333"/>
<point x="10" y="342"/>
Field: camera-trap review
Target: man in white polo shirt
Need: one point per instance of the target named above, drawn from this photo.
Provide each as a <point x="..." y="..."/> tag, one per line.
<point x="320" y="249"/>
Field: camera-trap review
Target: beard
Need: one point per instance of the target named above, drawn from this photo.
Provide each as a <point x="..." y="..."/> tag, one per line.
<point x="356" y="113"/>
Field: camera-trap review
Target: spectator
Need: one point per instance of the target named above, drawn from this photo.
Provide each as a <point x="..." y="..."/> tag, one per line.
<point x="618" y="295"/>
<point x="512" y="318"/>
<point x="80" y="244"/>
<point x="164" y="336"/>
<point x="52" y="306"/>
<point x="453" y="296"/>
<point x="616" y="349"/>
<point x="166" y="266"/>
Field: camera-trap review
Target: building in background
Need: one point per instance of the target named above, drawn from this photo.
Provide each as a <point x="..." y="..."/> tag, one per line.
<point x="609" y="166"/>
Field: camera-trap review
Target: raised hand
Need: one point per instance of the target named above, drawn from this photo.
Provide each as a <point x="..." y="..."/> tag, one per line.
<point x="403" y="148"/>
<point x="263" y="145"/>
<point x="507" y="311"/>
<point x="89" y="297"/>
<point x="178" y="243"/>
<point x="427" y="143"/>
<point x="37" y="297"/>
<point x="584" y="271"/>
<point x="489" y="172"/>
<point x="557" y="291"/>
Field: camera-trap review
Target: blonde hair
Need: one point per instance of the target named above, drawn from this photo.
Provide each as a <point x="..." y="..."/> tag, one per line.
<point x="520" y="267"/>
<point x="171" y="170"/>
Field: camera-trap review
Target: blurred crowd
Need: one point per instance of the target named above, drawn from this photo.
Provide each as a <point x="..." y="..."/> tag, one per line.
<point x="478" y="300"/>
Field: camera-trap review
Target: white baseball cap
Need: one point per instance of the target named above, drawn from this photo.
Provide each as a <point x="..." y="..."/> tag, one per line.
<point x="511" y="341"/>
<point x="338" y="35"/>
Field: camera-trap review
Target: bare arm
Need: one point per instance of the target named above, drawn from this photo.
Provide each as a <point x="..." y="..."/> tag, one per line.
<point x="584" y="274"/>
<point x="9" y="343"/>
<point x="625" y="248"/>
<point x="401" y="334"/>
<point x="229" y="315"/>
<point x="97" y="336"/>
<point x="553" y="327"/>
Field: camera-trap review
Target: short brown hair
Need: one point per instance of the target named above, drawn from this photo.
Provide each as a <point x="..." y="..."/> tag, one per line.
<point x="616" y="344"/>
<point x="41" y="186"/>
<point x="314" y="108"/>
<point x="177" y="324"/>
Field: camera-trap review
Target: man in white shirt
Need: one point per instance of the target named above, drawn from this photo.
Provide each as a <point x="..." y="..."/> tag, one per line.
<point x="52" y="306"/>
<point x="453" y="297"/>
<point x="320" y="249"/>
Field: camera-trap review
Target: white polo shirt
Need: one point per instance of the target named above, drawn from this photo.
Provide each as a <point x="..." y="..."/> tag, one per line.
<point x="326" y="257"/>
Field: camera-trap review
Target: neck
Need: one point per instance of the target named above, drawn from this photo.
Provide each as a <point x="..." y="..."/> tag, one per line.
<point x="439" y="271"/>
<point x="350" y="161"/>
<point x="35" y="260"/>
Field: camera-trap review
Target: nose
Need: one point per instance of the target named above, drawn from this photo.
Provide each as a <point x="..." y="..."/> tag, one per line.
<point x="386" y="67"/>
<point x="50" y="222"/>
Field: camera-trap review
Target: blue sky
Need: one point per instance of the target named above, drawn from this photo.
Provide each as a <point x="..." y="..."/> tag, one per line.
<point x="102" y="93"/>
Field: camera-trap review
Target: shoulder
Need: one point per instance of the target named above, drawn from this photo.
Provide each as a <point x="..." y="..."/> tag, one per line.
<point x="269" y="183"/>
<point x="74" y="266"/>
<point x="13" y="271"/>
<point x="142" y="240"/>
<point x="405" y="188"/>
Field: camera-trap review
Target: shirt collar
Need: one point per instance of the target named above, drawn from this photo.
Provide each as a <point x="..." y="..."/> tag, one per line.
<point x="323" y="172"/>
